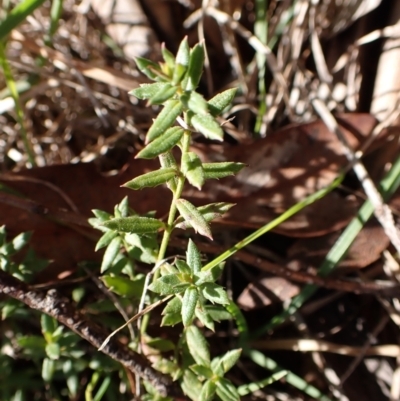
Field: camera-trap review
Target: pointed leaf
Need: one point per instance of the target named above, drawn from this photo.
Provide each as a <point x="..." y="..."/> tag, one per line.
<point x="165" y="119"/>
<point x="161" y="144"/>
<point x="168" y="160"/>
<point x="197" y="103"/>
<point x="173" y="306"/>
<point x="123" y="207"/>
<point x="221" y="170"/>
<point x="124" y="286"/>
<point x="189" y="303"/>
<point x="203" y="315"/>
<point x="198" y="346"/>
<point x="227" y="391"/>
<point x="214" y="293"/>
<point x="192" y="169"/>
<point x="168" y="57"/>
<point x="229" y="360"/>
<point x="209" y="212"/>
<point x="110" y="254"/>
<point x="182" y="267"/>
<point x="105" y="239"/>
<point x="194" y="217"/>
<point x="183" y="53"/>
<point x="181" y="61"/>
<point x="195" y="69"/>
<point x="147" y="67"/>
<point x="201" y="370"/>
<point x="171" y="319"/>
<point x="151" y="179"/>
<point x="219" y="102"/>
<point x="206" y="125"/>
<point x="208" y="391"/>
<point x="101" y="214"/>
<point x="135" y="224"/>
<point x="146" y="91"/>
<point x="193" y="257"/>
<point x="167" y="91"/>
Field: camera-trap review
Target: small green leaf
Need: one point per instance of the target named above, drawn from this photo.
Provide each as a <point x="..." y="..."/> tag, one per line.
<point x="195" y="69"/>
<point x="218" y="313"/>
<point x="182" y="266"/>
<point x="206" y="125"/>
<point x="165" y="119"/>
<point x="192" y="169"/>
<point x="201" y="370"/>
<point x="171" y="319"/>
<point x="148" y="68"/>
<point x="209" y="212"/>
<point x="189" y="303"/>
<point x="135" y="224"/>
<point x="179" y="73"/>
<point x="220" y="101"/>
<point x="227" y="391"/>
<point x="193" y="257"/>
<point x="161" y="344"/>
<point x="111" y="253"/>
<point x="142" y="247"/>
<point x="191" y="385"/>
<point x="166" y="92"/>
<point x="197" y="103"/>
<point x="173" y="306"/>
<point x="48" y="369"/>
<point x="168" y="57"/>
<point x="209" y="276"/>
<point x="21" y="240"/>
<point x="53" y="351"/>
<point x="183" y="53"/>
<point x="203" y="315"/>
<point x="124" y="286"/>
<point x="105" y="239"/>
<point x="229" y="360"/>
<point x="221" y="170"/>
<point x="207" y="391"/>
<point x="151" y="179"/>
<point x="123" y="208"/>
<point x="147" y="91"/>
<point x="215" y="293"/>
<point x="165" y="285"/>
<point x="161" y="144"/>
<point x="181" y="61"/>
<point x="101" y="215"/>
<point x="198" y="346"/>
<point x="167" y="160"/>
<point x="48" y="325"/>
<point x="194" y="217"/>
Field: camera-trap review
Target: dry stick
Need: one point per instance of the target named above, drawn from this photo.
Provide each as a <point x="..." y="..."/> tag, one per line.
<point x="62" y="309"/>
<point x="381" y="210"/>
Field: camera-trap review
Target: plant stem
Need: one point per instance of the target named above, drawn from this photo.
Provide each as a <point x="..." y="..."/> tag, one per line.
<point x="172" y="210"/>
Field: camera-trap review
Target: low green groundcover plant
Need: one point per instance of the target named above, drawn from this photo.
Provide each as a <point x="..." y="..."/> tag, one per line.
<point x="192" y="296"/>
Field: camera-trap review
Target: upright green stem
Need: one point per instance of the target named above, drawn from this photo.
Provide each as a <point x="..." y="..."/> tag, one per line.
<point x="172" y="210"/>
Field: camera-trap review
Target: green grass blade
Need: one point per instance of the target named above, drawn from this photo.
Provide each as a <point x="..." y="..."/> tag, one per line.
<point x="274" y="223"/>
<point x="18" y="109"/>
<point x="55" y="14"/>
<point x="246" y="389"/>
<point x="267" y="363"/>
<point x="388" y="186"/>
<point x="17" y="15"/>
